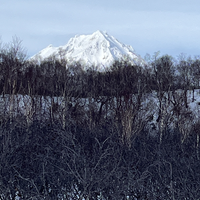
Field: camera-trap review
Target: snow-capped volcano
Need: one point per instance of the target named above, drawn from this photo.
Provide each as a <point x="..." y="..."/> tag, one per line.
<point x="98" y="49"/>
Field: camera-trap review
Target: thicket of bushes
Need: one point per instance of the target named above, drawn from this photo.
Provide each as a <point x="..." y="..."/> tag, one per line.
<point x="49" y="162"/>
<point x="93" y="135"/>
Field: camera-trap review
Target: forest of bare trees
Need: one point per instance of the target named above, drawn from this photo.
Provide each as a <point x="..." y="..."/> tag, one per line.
<point x="125" y="133"/>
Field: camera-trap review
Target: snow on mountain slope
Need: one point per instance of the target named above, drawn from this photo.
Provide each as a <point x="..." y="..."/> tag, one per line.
<point x="98" y="49"/>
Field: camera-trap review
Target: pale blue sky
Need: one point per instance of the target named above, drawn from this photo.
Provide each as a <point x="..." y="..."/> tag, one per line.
<point x="169" y="26"/>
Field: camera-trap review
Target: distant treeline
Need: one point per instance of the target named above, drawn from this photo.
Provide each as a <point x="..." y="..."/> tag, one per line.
<point x="52" y="78"/>
<point x="123" y="133"/>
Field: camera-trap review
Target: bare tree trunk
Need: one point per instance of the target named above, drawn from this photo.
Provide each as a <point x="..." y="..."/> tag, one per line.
<point x="197" y="146"/>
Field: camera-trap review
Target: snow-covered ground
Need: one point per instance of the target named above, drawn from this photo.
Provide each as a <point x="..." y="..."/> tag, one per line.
<point x="41" y="108"/>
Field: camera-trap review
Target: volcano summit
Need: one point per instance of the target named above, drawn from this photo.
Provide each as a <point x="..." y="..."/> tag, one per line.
<point x="98" y="49"/>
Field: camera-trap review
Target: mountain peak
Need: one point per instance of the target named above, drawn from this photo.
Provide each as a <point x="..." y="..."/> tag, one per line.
<point x="98" y="49"/>
<point x="98" y="32"/>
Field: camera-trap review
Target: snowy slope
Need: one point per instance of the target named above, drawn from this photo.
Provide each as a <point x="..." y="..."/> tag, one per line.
<point x="98" y="49"/>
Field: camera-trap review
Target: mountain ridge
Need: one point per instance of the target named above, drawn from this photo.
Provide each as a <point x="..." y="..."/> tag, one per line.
<point x="98" y="49"/>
